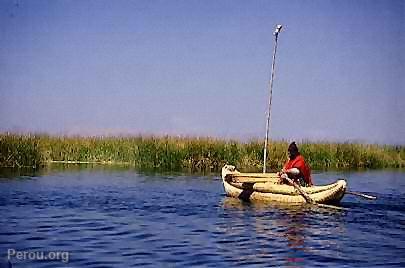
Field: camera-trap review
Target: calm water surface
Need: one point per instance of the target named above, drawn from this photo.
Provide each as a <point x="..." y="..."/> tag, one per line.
<point x="122" y="218"/>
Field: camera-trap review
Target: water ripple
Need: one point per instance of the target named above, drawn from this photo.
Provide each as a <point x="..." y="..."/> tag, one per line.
<point x="127" y="220"/>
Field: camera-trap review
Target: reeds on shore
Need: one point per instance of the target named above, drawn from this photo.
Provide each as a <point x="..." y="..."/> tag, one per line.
<point x="191" y="153"/>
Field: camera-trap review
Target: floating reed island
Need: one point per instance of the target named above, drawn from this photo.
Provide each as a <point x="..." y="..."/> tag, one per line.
<point x="188" y="153"/>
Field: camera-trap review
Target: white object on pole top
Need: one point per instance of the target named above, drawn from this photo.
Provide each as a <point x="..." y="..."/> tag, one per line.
<point x="278" y="29"/>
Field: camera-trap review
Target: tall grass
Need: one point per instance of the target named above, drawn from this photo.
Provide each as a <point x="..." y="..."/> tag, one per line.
<point x="20" y="151"/>
<point x="194" y="154"/>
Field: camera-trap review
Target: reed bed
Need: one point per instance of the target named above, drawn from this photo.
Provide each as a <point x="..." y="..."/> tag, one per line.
<point x="190" y="153"/>
<point x="20" y="151"/>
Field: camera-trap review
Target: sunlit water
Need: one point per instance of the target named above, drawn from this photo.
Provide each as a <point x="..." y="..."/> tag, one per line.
<point x="121" y="218"/>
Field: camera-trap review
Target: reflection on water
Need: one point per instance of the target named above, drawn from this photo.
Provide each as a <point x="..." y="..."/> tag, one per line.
<point x="122" y="218"/>
<point x="281" y="225"/>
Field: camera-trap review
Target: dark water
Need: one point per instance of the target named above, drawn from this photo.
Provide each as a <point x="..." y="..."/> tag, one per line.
<point x="121" y="218"/>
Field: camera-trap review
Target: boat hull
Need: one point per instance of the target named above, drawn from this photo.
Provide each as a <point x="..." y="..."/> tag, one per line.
<point x="267" y="189"/>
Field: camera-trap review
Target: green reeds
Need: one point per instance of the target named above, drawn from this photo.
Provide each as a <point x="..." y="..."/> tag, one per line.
<point x="194" y="154"/>
<point x="20" y="151"/>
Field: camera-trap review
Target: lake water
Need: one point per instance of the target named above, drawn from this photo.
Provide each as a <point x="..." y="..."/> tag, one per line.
<point x="123" y="218"/>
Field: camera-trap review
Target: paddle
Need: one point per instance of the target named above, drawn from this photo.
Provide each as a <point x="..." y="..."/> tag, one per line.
<point x="307" y="198"/>
<point x="366" y="196"/>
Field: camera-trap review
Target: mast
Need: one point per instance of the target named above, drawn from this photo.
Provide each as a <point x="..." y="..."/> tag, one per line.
<point x="276" y="32"/>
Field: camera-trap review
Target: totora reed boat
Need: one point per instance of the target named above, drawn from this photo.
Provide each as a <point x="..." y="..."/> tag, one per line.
<point x="265" y="187"/>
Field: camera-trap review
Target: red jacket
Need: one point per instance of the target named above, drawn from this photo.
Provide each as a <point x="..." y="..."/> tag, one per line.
<point x="305" y="171"/>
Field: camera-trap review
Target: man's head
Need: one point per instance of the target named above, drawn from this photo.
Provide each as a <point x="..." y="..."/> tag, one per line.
<point x="293" y="150"/>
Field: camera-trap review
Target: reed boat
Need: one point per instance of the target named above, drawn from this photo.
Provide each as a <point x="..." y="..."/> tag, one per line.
<point x="265" y="187"/>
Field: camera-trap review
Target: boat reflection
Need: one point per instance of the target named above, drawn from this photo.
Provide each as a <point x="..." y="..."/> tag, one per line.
<point x="282" y="233"/>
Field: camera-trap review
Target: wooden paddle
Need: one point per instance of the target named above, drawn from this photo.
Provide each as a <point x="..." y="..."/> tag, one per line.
<point x="255" y="178"/>
<point x="307" y="198"/>
<point x="251" y="179"/>
<point x="366" y="196"/>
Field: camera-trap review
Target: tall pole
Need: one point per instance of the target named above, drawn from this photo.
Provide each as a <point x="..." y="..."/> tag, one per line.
<point x="276" y="32"/>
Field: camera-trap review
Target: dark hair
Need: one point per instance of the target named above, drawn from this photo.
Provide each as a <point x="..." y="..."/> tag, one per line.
<point x="293" y="150"/>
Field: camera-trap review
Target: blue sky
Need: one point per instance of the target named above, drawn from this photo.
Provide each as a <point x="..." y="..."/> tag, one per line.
<point x="201" y="68"/>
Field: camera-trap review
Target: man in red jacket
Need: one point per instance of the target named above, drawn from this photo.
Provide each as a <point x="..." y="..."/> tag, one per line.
<point x="296" y="168"/>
